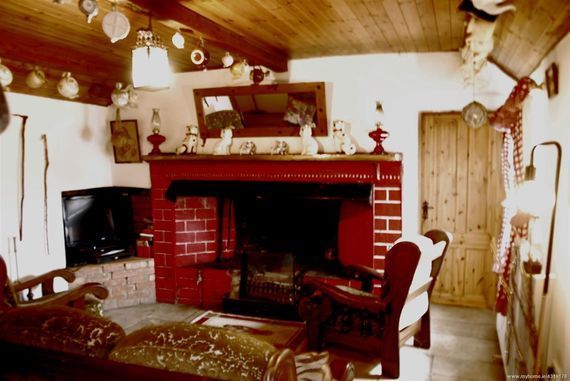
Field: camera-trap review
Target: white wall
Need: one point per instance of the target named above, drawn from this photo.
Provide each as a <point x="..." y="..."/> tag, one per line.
<point x="406" y="84"/>
<point x="549" y="119"/>
<point x="80" y="156"/>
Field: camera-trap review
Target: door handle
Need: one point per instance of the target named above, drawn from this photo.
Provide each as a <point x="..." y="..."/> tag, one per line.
<point x="425" y="208"/>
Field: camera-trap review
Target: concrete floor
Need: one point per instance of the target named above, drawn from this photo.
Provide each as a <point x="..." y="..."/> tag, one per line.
<point x="464" y="343"/>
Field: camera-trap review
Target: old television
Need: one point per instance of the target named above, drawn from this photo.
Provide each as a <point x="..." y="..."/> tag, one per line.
<point x="98" y="225"/>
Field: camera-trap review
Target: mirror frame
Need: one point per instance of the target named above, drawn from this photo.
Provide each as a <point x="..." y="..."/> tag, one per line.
<point x="318" y="88"/>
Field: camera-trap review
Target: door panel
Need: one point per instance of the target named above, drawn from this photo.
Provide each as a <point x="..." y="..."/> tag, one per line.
<point x="454" y="175"/>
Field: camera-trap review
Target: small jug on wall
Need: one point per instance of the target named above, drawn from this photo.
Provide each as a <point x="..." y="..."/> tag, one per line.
<point x="68" y="86"/>
<point x="35" y="78"/>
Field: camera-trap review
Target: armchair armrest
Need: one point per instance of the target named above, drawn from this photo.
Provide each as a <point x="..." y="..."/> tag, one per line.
<point x="365" y="274"/>
<point x="74" y="296"/>
<point x="46" y="280"/>
<point x="371" y="303"/>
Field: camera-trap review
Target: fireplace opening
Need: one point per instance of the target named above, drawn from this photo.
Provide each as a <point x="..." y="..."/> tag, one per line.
<point x="277" y="233"/>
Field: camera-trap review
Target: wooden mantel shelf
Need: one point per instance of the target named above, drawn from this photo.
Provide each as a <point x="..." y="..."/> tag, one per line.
<point x="324" y="168"/>
<point x="392" y="156"/>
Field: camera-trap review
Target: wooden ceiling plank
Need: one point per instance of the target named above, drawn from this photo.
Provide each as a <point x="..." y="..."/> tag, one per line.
<point x="429" y="25"/>
<point x="515" y="23"/>
<point x="384" y="23"/>
<point x="327" y="28"/>
<point x="548" y="40"/>
<point x="377" y="37"/>
<point x="413" y="21"/>
<point x="298" y="33"/>
<point x="43" y="53"/>
<point x="443" y="21"/>
<point x="235" y="16"/>
<point x="394" y="11"/>
<point x="360" y="36"/>
<point x="261" y="53"/>
<point x="458" y="26"/>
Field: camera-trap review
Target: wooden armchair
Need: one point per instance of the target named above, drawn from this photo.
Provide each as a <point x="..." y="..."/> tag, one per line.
<point x="358" y="319"/>
<point x="11" y="292"/>
<point x="378" y="325"/>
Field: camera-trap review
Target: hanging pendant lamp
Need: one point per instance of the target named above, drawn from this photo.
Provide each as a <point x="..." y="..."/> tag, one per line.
<point x="474" y="114"/>
<point x="150" y="65"/>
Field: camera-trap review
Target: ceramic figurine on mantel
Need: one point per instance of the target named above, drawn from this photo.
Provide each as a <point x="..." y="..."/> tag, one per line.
<point x="156" y="139"/>
<point x="190" y="143"/>
<point x="247" y="148"/>
<point x="341" y="138"/>
<point x="223" y="146"/>
<point x="309" y="144"/>
<point x="279" y="147"/>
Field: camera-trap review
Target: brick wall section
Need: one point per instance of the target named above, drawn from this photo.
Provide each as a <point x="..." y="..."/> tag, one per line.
<point x="197" y="230"/>
<point x="196" y="241"/>
<point x="387" y="204"/>
<point x="130" y="281"/>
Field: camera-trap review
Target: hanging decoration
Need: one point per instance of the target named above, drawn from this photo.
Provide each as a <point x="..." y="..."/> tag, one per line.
<point x="6" y="76"/>
<point x="474" y="114"/>
<point x="68" y="86"/>
<point x="116" y="25"/>
<point x="200" y="56"/>
<point x="4" y="111"/>
<point x="46" y="166"/>
<point x="22" y="174"/>
<point x="178" y="40"/>
<point x="508" y="120"/>
<point x="257" y="74"/>
<point x="227" y="60"/>
<point x="238" y="69"/>
<point x="89" y="8"/>
<point x="121" y="98"/>
<point x="36" y="78"/>
<point x="150" y="66"/>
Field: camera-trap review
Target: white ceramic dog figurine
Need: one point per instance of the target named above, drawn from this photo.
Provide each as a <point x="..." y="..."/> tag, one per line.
<point x="190" y="143"/>
<point x="223" y="146"/>
<point x="280" y="147"/>
<point x="247" y="148"/>
<point x="310" y="145"/>
<point x="342" y="142"/>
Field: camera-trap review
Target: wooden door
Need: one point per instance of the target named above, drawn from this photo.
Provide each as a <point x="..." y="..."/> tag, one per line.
<point x="457" y="165"/>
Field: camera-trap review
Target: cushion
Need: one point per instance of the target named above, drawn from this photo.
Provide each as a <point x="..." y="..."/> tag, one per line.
<point x="60" y="328"/>
<point x="413" y="310"/>
<point x="196" y="349"/>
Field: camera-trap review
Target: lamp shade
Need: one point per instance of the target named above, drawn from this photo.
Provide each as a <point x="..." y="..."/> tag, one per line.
<point x="150" y="66"/>
<point x="474" y="114"/>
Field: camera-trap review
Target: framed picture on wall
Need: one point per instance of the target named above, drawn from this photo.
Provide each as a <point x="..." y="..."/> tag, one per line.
<point x="125" y="140"/>
<point x="551" y="79"/>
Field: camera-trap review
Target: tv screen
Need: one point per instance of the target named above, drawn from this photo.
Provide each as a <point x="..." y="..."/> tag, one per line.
<point x="97" y="222"/>
<point x="89" y="221"/>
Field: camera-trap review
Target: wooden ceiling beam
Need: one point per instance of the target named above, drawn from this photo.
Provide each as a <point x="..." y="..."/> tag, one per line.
<point x="91" y="90"/>
<point x="255" y="52"/>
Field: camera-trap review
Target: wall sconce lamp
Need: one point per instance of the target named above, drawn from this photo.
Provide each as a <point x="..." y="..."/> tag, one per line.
<point x="529" y="206"/>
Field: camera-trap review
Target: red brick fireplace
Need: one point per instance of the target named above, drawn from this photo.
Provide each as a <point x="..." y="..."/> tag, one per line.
<point x="186" y="231"/>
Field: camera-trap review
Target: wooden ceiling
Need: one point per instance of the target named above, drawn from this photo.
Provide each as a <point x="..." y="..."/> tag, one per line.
<point x="57" y="37"/>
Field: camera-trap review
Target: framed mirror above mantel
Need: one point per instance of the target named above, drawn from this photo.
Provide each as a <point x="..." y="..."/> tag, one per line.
<point x="262" y="110"/>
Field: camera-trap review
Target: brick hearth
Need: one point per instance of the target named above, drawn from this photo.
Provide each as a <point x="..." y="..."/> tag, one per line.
<point x="186" y="231"/>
